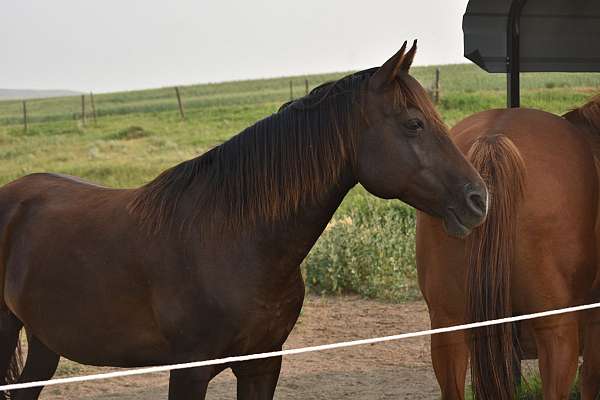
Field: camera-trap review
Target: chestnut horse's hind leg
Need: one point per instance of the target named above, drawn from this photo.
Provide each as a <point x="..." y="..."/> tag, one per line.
<point x="189" y="384"/>
<point x="257" y="379"/>
<point x="557" y="340"/>
<point x="450" y="354"/>
<point x="590" y="376"/>
<point x="40" y="365"/>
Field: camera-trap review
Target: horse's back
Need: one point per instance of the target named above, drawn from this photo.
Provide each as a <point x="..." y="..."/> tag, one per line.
<point x="40" y="190"/>
<point x="42" y="185"/>
<point x="41" y="209"/>
<point x="67" y="247"/>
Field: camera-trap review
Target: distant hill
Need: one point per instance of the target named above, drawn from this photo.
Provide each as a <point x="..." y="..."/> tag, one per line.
<point x="19" y="94"/>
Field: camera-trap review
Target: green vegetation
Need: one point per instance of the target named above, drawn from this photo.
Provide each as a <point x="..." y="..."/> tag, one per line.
<point x="369" y="246"/>
<point x="367" y="249"/>
<point x="531" y="387"/>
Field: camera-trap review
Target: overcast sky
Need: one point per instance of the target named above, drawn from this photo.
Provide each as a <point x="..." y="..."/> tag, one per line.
<point x="132" y="44"/>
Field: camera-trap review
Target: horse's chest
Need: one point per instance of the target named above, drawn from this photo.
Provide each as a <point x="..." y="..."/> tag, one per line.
<point x="268" y="323"/>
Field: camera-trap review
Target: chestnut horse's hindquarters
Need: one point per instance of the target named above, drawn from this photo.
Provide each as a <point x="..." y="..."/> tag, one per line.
<point x="490" y="254"/>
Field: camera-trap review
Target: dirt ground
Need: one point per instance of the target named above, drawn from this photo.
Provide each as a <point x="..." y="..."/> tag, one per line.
<point x="392" y="370"/>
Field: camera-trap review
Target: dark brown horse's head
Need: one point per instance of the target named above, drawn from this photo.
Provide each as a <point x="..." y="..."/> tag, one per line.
<point x="406" y="152"/>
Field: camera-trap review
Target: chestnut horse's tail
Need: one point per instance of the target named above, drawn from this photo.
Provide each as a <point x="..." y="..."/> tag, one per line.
<point x="490" y="252"/>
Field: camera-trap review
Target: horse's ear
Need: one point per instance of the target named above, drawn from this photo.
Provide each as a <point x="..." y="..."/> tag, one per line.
<point x="388" y="71"/>
<point x="407" y="60"/>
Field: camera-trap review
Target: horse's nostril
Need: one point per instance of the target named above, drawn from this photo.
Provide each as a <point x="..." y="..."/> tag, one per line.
<point x="476" y="202"/>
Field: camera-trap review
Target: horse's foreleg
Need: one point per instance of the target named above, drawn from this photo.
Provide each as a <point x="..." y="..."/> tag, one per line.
<point x="449" y="354"/>
<point x="40" y="365"/>
<point x="257" y="379"/>
<point x="590" y="376"/>
<point x="557" y="340"/>
<point x="189" y="384"/>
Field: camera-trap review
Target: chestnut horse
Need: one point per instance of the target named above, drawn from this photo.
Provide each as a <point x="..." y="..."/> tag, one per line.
<point x="535" y="252"/>
<point x="203" y="262"/>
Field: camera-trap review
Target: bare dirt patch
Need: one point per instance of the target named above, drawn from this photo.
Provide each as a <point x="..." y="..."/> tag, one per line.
<point x="398" y="370"/>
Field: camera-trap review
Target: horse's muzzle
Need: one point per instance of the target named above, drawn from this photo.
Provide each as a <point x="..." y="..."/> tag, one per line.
<point x="460" y="220"/>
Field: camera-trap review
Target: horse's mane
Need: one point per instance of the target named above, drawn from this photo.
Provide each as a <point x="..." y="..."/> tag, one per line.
<point x="272" y="167"/>
<point x="588" y="114"/>
<point x="587" y="119"/>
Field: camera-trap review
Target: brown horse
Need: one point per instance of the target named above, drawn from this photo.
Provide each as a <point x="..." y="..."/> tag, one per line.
<point x="536" y="251"/>
<point x="203" y="262"/>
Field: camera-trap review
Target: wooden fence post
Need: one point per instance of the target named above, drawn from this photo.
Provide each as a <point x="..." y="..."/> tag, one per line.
<point x="83" y="109"/>
<point x="181" y="113"/>
<point x="306" y="86"/>
<point x="25" y="115"/>
<point x="93" y="107"/>
<point x="436" y="89"/>
<point x="291" y="91"/>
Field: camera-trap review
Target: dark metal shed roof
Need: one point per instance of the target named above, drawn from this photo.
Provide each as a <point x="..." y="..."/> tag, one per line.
<point x="555" y="35"/>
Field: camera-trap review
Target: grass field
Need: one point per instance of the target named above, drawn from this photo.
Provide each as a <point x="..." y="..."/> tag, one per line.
<point x="368" y="248"/>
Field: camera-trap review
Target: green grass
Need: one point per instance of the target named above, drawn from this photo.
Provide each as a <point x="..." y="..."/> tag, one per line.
<point x="369" y="247"/>
<point x="531" y="387"/>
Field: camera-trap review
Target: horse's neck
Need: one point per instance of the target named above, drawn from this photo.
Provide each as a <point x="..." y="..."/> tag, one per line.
<point x="292" y="237"/>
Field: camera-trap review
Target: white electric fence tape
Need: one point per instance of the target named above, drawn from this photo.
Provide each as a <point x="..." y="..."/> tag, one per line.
<point x="227" y="360"/>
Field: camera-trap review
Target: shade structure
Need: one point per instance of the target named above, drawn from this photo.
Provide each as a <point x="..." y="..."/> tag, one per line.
<point x="532" y="36"/>
<point x="554" y="35"/>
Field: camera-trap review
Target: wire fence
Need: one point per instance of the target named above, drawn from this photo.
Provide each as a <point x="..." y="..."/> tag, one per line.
<point x="88" y="108"/>
<point x="289" y="352"/>
<point x="186" y="100"/>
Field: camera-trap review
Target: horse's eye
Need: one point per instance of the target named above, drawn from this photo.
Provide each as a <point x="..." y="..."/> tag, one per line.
<point x="414" y="124"/>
